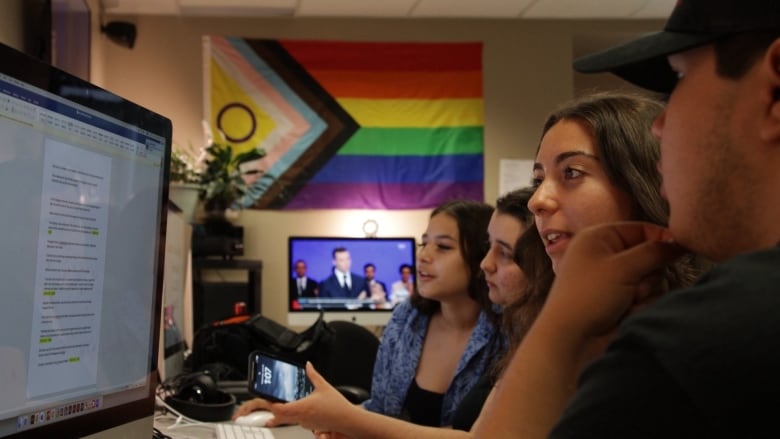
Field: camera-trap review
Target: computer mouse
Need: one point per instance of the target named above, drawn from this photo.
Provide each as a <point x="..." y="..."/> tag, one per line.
<point x="257" y="418"/>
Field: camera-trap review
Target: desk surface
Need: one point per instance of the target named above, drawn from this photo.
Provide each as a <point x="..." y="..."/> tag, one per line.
<point x="204" y="430"/>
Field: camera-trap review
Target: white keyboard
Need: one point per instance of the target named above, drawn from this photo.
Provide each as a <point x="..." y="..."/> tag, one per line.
<point x="236" y="431"/>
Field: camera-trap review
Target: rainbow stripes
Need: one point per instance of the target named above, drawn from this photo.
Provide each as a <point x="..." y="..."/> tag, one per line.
<point x="411" y="121"/>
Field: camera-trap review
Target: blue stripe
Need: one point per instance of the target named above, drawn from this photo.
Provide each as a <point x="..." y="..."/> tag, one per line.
<point x="402" y="169"/>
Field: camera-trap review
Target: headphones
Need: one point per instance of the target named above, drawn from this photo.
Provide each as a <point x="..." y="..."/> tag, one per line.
<point x="197" y="396"/>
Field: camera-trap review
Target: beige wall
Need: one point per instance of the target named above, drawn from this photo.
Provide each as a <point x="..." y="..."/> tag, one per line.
<point x="11" y="24"/>
<point x="527" y="71"/>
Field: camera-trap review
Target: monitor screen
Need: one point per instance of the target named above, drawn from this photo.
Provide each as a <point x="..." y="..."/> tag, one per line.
<point x="83" y="183"/>
<point x="373" y="287"/>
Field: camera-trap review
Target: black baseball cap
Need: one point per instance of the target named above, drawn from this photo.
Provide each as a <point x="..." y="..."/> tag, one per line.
<point x="693" y="23"/>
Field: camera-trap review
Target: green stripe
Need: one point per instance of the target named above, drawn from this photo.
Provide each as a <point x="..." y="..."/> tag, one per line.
<point x="415" y="141"/>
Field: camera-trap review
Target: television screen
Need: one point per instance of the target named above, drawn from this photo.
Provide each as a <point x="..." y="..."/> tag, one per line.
<point x="356" y="279"/>
<point x="83" y="184"/>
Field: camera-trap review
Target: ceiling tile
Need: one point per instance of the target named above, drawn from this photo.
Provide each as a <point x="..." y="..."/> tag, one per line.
<point x="583" y="8"/>
<point x="656" y="9"/>
<point x="568" y="9"/>
<point x="355" y="8"/>
<point x="470" y="8"/>
<point x="133" y="7"/>
<point x="238" y="7"/>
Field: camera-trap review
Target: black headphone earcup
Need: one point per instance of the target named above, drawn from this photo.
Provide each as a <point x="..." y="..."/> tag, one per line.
<point x="197" y="396"/>
<point x="200" y="388"/>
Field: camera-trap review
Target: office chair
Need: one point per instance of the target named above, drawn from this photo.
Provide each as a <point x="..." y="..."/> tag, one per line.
<point x="348" y="363"/>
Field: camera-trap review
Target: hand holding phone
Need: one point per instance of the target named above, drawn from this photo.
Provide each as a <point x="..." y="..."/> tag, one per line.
<point x="277" y="380"/>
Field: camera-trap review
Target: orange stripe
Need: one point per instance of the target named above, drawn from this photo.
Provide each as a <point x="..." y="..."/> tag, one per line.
<point x="400" y="85"/>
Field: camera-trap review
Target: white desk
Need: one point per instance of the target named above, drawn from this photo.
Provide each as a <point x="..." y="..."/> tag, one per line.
<point x="204" y="430"/>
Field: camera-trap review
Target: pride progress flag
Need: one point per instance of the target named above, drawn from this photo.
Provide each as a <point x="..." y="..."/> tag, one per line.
<point x="408" y="121"/>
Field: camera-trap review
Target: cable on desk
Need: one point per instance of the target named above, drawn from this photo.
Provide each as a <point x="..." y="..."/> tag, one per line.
<point x="182" y="421"/>
<point x="157" y="434"/>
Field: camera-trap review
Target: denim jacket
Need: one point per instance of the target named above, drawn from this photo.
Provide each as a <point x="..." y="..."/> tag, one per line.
<point x="399" y="354"/>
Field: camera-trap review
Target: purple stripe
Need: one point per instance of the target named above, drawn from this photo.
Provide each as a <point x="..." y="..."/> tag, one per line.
<point x="383" y="196"/>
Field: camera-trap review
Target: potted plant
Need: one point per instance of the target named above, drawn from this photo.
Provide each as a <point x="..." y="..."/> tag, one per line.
<point x="214" y="187"/>
<point x="220" y="179"/>
<point x="182" y="170"/>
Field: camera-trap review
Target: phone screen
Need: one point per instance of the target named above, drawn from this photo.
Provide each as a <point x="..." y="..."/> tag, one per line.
<point x="277" y="380"/>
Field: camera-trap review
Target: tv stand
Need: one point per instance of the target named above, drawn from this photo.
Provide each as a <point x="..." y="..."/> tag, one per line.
<point x="202" y="287"/>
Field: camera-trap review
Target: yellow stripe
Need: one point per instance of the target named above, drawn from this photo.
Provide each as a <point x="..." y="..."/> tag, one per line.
<point x="236" y="122"/>
<point x="415" y="112"/>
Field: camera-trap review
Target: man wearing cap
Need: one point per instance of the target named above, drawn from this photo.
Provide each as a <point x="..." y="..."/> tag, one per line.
<point x="703" y="361"/>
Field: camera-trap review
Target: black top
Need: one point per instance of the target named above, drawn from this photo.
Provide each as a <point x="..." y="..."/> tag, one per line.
<point x="471" y="405"/>
<point x="423" y="406"/>
<point x="701" y="362"/>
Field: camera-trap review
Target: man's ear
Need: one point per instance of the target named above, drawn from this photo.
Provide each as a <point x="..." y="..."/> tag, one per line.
<point x="770" y="128"/>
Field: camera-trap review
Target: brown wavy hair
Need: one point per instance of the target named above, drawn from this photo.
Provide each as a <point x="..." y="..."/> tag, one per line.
<point x="531" y="257"/>
<point x="620" y="123"/>
<point x="519" y="315"/>
<point x="472" y="218"/>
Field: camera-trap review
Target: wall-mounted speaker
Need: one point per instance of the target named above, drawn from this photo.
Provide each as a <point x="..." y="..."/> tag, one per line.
<point x="120" y="32"/>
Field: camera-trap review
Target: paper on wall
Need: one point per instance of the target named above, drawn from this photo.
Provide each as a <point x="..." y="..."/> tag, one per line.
<point x="514" y="174"/>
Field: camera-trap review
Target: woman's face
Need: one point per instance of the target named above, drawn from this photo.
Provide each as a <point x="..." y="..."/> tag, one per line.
<point x="506" y="281"/>
<point x="573" y="190"/>
<point x="442" y="271"/>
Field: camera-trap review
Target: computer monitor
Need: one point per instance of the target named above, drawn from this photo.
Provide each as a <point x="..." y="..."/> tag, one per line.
<point x="361" y="302"/>
<point x="83" y="184"/>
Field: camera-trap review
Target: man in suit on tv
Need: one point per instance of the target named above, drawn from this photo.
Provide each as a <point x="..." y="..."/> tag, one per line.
<point x="376" y="289"/>
<point x="342" y="283"/>
<point x="302" y="285"/>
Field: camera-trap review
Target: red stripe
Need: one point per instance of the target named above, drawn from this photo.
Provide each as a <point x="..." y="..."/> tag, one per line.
<point x="400" y="85"/>
<point x="331" y="55"/>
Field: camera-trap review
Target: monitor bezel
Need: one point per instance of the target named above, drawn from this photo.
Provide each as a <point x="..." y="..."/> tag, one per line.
<point x="29" y="70"/>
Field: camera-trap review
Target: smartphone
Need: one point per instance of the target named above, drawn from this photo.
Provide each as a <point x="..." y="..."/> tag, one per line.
<point x="277" y="380"/>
